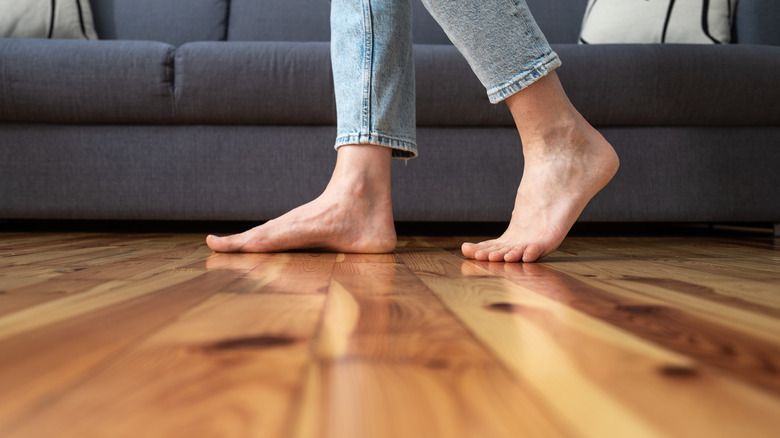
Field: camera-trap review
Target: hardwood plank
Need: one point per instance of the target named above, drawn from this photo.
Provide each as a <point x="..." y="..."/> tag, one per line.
<point x="41" y="291"/>
<point x="392" y="361"/>
<point x="18" y="278"/>
<point x="103" y="295"/>
<point x="24" y="242"/>
<point x="35" y="283"/>
<point x="746" y="357"/>
<point x="304" y="273"/>
<point x="719" y="277"/>
<point x="110" y="334"/>
<point x="354" y="399"/>
<point x="47" y="354"/>
<point x="63" y="256"/>
<point x="550" y="345"/>
<point x="220" y="370"/>
<point x="285" y="273"/>
<point x="366" y="258"/>
<point x="760" y="321"/>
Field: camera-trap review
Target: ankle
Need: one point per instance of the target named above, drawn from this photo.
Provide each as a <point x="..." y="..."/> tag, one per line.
<point x="555" y="142"/>
<point x="362" y="171"/>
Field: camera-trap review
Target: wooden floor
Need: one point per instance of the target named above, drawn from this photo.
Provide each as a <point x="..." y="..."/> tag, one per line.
<point x="109" y="335"/>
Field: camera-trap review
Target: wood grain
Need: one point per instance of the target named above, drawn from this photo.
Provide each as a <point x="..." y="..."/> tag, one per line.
<point x="558" y="350"/>
<point x="126" y="335"/>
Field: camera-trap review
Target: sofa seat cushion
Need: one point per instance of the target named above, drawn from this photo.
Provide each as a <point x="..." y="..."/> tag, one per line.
<point x="73" y="81"/>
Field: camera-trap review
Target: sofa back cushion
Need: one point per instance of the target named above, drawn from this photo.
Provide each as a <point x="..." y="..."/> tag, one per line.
<point x="170" y="21"/>
<point x="308" y="20"/>
<point x="560" y="20"/>
<point x="179" y="21"/>
<point x="758" y="22"/>
<point x="279" y="20"/>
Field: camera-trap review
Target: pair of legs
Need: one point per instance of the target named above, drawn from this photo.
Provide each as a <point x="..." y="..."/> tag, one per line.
<point x="566" y="161"/>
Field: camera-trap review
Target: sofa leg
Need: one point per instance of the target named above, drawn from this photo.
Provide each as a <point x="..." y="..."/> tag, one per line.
<point x="777" y="229"/>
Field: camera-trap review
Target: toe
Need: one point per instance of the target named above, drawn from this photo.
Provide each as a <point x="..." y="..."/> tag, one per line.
<point x="485" y="249"/>
<point x="497" y="255"/>
<point x="214" y="242"/>
<point x="531" y="254"/>
<point x="224" y="244"/>
<point x="469" y="249"/>
<point x="481" y="255"/>
<point x="513" y="256"/>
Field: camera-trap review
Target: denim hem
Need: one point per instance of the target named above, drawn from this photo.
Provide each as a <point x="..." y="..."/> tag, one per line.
<point x="402" y="148"/>
<point x="549" y="63"/>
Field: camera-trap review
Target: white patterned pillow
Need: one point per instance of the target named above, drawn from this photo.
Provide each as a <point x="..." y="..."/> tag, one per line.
<point x="71" y="19"/>
<point x="658" y="21"/>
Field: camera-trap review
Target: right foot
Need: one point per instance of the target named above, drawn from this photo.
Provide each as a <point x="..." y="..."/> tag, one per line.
<point x="353" y="215"/>
<point x="556" y="185"/>
<point x="566" y="163"/>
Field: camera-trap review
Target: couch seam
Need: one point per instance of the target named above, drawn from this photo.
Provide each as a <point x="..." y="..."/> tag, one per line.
<point x="171" y="55"/>
<point x="5" y="109"/>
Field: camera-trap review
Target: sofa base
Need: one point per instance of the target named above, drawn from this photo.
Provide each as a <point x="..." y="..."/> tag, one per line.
<point x="236" y="173"/>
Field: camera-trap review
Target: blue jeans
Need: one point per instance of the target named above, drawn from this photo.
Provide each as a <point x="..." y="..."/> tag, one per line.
<point x="373" y="66"/>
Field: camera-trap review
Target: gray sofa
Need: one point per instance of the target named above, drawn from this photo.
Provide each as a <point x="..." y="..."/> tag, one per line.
<point x="224" y="110"/>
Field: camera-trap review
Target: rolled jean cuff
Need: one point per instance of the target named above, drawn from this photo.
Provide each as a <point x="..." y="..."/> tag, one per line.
<point x="545" y="65"/>
<point x="402" y="148"/>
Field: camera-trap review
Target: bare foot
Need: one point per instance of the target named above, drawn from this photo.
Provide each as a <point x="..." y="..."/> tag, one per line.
<point x="561" y="174"/>
<point x="566" y="163"/>
<point x="354" y="213"/>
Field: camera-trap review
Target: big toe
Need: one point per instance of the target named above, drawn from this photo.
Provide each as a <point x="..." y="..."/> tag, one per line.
<point x="469" y="249"/>
<point x="223" y="244"/>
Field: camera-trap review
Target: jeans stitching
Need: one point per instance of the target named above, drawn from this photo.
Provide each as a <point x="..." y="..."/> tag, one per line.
<point x="547" y="64"/>
<point x="368" y="55"/>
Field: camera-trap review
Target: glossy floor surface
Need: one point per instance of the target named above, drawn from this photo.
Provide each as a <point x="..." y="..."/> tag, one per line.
<point x="152" y="335"/>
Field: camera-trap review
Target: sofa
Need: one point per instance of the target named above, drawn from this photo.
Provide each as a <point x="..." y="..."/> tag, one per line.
<point x="223" y="110"/>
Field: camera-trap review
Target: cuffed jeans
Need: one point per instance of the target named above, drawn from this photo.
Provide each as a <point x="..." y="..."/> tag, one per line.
<point x="373" y="65"/>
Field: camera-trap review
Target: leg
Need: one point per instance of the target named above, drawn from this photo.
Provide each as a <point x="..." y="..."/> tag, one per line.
<point x="373" y="75"/>
<point x="566" y="161"/>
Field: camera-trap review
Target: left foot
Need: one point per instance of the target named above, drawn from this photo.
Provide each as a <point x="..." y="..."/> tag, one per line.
<point x="354" y="214"/>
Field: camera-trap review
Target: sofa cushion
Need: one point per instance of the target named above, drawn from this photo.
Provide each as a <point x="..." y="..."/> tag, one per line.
<point x="169" y="21"/>
<point x="73" y="81"/>
<point x="255" y="83"/>
<point x="448" y="92"/>
<point x="560" y="20"/>
<point x="292" y="83"/>
<point x="757" y="22"/>
<point x="425" y="30"/>
<point x="279" y="20"/>
<point x="612" y="85"/>
<point x="672" y="84"/>
<point x="619" y="85"/>
<point x="271" y="20"/>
